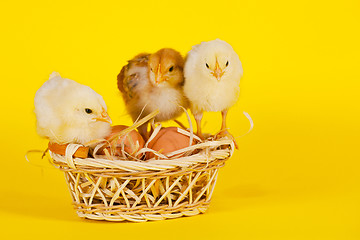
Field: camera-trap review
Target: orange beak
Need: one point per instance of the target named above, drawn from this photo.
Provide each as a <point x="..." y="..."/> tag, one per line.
<point x="104" y="117"/>
<point x="218" y="72"/>
<point x="158" y="75"/>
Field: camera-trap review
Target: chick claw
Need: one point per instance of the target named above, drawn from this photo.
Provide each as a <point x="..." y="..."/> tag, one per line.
<point x="225" y="133"/>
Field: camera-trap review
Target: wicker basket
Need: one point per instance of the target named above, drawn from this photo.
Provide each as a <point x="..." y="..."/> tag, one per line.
<point x="118" y="190"/>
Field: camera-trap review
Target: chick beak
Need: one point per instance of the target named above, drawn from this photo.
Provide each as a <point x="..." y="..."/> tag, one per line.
<point x="218" y="72"/>
<point x="104" y="117"/>
<point x="158" y="75"/>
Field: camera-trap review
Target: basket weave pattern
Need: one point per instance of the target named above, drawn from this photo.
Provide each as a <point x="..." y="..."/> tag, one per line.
<point x="118" y="190"/>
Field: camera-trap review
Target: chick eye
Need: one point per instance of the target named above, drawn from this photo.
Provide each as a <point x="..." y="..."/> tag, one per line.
<point x="207" y="65"/>
<point x="151" y="69"/>
<point x="171" y="68"/>
<point x="227" y="63"/>
<point x="88" y="110"/>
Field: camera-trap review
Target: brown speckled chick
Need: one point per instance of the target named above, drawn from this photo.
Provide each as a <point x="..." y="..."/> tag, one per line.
<point x="155" y="81"/>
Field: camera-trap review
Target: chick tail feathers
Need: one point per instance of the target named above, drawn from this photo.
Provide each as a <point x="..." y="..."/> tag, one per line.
<point x="141" y="59"/>
<point x="54" y="75"/>
<point x="120" y="79"/>
<point x="121" y="82"/>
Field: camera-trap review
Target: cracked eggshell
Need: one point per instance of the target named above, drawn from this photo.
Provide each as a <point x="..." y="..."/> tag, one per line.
<point x="167" y="141"/>
<point x="129" y="140"/>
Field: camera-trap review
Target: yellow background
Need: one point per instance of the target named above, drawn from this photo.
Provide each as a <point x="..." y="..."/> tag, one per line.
<point x="296" y="175"/>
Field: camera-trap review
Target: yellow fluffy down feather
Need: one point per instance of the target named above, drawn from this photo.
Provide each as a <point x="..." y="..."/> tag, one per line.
<point x="68" y="112"/>
<point x="212" y="80"/>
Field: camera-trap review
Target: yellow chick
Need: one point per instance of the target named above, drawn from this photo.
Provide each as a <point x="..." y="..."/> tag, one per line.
<point x="212" y="80"/>
<point x="155" y="81"/>
<point x="69" y="112"/>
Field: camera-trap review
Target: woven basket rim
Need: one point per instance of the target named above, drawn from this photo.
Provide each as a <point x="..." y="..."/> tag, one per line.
<point x="203" y="152"/>
<point x="209" y="152"/>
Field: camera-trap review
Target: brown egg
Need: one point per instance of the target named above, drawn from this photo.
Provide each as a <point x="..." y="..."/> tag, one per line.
<point x="168" y="140"/>
<point x="129" y="142"/>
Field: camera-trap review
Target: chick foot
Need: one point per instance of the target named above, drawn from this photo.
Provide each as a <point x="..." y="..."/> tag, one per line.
<point x="225" y="133"/>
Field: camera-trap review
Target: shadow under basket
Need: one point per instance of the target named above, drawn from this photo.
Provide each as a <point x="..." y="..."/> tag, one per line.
<point x="118" y="190"/>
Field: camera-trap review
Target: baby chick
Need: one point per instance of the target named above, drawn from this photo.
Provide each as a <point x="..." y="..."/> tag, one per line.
<point x="68" y="112"/>
<point x="212" y="80"/>
<point x="155" y="81"/>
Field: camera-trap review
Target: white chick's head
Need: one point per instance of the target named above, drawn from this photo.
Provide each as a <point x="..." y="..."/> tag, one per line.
<point x="215" y="60"/>
<point x="84" y="106"/>
<point x="166" y="68"/>
<point x="68" y="112"/>
<point x="85" y="110"/>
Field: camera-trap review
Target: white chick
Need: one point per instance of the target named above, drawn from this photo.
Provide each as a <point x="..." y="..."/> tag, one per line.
<point x="212" y="80"/>
<point x="69" y="112"/>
